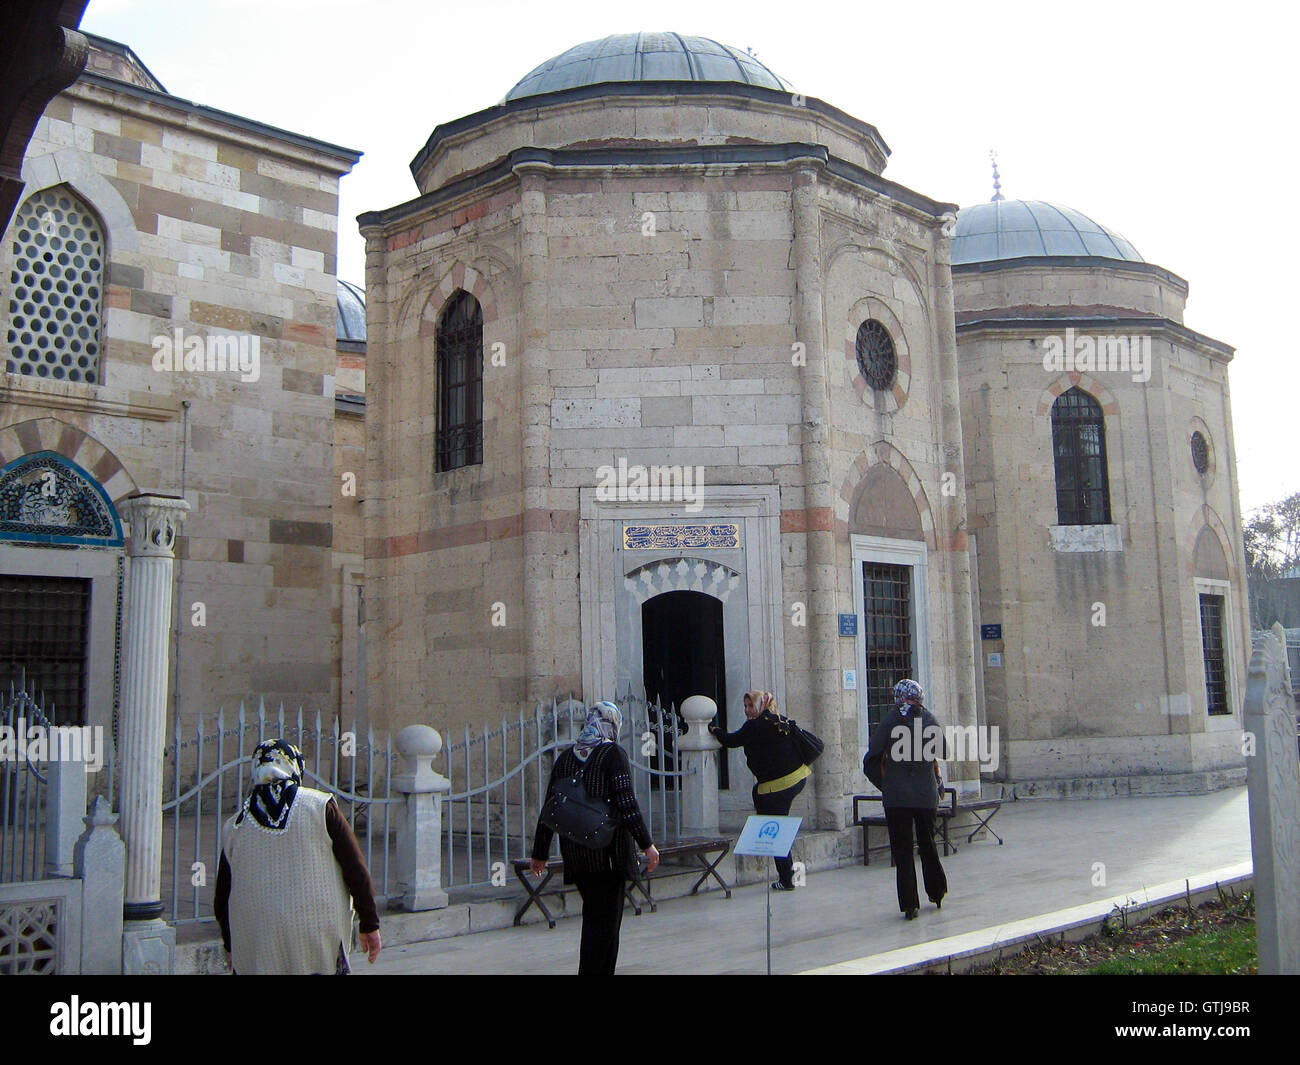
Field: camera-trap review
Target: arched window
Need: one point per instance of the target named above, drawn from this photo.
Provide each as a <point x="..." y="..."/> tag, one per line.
<point x="56" y="289"/>
<point x="460" y="382"/>
<point x="1079" y="447"/>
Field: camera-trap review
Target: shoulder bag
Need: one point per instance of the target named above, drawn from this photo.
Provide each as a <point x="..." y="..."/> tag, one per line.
<point x="807" y="745"/>
<point x="572" y="812"/>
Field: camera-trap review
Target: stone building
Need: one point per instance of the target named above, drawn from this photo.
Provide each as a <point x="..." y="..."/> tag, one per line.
<point x="168" y="325"/>
<point x="670" y="390"/>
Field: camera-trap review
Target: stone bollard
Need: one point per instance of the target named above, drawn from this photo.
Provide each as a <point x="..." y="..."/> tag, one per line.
<point x="100" y="863"/>
<point x="698" y="751"/>
<point x="419" y="840"/>
<point x="65" y="813"/>
<point x="1273" y="784"/>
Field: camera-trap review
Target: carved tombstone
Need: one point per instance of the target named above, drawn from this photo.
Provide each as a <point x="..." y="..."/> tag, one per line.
<point x="1273" y="780"/>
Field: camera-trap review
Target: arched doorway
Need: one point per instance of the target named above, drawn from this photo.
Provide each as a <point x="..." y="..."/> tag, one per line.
<point x="683" y="653"/>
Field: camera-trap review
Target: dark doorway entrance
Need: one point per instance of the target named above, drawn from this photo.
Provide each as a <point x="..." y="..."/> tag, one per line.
<point x="682" y="649"/>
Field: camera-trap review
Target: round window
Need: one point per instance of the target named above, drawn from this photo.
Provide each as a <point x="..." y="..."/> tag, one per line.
<point x="876" y="357"/>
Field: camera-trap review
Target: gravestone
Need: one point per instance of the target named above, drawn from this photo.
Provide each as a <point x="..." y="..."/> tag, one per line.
<point x="1273" y="781"/>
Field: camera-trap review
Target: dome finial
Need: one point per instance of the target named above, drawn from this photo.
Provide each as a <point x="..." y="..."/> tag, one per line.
<point x="997" y="185"/>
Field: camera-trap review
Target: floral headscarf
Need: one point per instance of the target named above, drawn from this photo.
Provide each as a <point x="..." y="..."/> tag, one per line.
<point x="604" y="719"/>
<point x="907" y="691"/>
<point x="277" y="775"/>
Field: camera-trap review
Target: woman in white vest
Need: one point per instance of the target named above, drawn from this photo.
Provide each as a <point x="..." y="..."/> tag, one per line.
<point x="290" y="873"/>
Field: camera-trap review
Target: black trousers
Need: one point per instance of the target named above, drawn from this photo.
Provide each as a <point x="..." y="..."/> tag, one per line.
<point x="779" y="803"/>
<point x="602" y="917"/>
<point x="900" y="820"/>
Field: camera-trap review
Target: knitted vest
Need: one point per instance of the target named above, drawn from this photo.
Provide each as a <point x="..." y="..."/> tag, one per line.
<point x="289" y="906"/>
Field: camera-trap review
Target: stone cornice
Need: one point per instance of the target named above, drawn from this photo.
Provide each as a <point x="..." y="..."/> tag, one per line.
<point x="91" y="399"/>
<point x="1058" y="263"/>
<point x="632" y="160"/>
<point x="1030" y="327"/>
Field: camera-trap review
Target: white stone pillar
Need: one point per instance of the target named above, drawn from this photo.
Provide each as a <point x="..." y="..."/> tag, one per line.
<point x="100" y="861"/>
<point x="419" y="840"/>
<point x="698" y="750"/>
<point x="148" y="942"/>
<point x="65" y="812"/>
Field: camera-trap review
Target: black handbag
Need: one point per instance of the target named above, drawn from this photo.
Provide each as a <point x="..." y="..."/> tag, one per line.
<point x="808" y="745"/>
<point x="576" y="815"/>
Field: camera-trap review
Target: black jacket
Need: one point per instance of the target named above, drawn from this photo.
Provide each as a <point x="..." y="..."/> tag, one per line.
<point x="770" y="750"/>
<point x="607" y="776"/>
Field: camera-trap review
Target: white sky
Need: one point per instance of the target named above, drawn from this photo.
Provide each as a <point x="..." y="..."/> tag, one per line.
<point x="1173" y="124"/>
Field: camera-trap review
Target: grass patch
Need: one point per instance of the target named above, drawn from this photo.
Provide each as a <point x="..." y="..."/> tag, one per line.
<point x="1221" y="952"/>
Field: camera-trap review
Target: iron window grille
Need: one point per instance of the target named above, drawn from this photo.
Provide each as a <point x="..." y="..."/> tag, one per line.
<point x="1200" y="453"/>
<point x="44" y="625"/>
<point x="888" y="627"/>
<point x="1079" y="448"/>
<point x="1212" y="651"/>
<point x="460" y="383"/>
<point x="877" y="359"/>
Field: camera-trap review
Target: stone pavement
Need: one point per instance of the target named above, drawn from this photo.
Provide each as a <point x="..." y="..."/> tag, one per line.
<point x="848" y="918"/>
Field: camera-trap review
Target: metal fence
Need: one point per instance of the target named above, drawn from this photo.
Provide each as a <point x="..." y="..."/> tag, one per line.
<point x="209" y="780"/>
<point x="22" y="793"/>
<point x="499" y="780"/>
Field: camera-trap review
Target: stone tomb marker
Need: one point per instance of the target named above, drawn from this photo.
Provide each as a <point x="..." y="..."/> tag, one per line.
<point x="1273" y="781"/>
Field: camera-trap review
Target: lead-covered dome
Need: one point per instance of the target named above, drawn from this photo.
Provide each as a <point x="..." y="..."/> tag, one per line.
<point x="646" y="57"/>
<point x="1019" y="229"/>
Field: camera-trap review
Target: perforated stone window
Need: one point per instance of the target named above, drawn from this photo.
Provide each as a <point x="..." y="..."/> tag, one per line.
<point x="1200" y="453"/>
<point x="56" y="289"/>
<point x="876" y="357"/>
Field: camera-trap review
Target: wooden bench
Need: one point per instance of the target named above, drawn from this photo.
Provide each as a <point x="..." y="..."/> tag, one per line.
<point x="981" y="810"/>
<point x="696" y="847"/>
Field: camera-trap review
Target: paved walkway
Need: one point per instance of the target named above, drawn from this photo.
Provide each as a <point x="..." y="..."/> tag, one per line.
<point x="848" y="917"/>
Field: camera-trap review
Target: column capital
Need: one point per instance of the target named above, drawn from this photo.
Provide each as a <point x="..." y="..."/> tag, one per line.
<point x="154" y="521"/>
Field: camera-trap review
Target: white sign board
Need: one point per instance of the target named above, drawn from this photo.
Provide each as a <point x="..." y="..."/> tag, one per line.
<point x="768" y="836"/>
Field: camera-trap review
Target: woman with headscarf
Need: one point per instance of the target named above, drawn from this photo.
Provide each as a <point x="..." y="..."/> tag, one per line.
<point x="289" y="862"/>
<point x="600" y="875"/>
<point x="774" y="759"/>
<point x="903" y="761"/>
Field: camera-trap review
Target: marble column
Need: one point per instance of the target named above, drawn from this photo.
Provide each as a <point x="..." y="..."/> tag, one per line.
<point x="419" y="840"/>
<point x="698" y="751"/>
<point x="148" y="942"/>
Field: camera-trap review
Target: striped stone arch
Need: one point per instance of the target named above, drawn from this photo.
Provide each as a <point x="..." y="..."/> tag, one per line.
<point x="1067" y="381"/>
<point x="681" y="575"/>
<point x="50" y="434"/>
<point x="458" y="277"/>
<point x="1207" y="519"/>
<point x="883" y="453"/>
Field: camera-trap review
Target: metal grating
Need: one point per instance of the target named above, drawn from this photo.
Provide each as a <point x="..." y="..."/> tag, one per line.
<point x="888" y="627"/>
<point x="1079" y="448"/>
<point x="460" y="383"/>
<point x="44" y="622"/>
<point x="876" y="357"/>
<point x="56" y="289"/>
<point x="1216" y="675"/>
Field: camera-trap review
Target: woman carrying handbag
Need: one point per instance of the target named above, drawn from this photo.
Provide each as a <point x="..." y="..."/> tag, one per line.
<point x="597" y="765"/>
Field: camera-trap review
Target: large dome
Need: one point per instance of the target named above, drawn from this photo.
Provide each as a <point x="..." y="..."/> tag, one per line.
<point x="1018" y="229"/>
<point x="646" y="57"/>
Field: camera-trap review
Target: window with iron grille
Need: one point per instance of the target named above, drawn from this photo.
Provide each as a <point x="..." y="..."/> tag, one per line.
<point x="888" y="627"/>
<point x="44" y="622"/>
<point x="460" y="383"/>
<point x="1079" y="448"/>
<point x="877" y="360"/>
<point x="56" y="289"/>
<point x="1216" y="675"/>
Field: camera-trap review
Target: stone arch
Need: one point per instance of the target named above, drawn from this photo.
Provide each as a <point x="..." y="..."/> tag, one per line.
<point x="684" y="574"/>
<point x="1103" y="395"/>
<point x="50" y="434"/>
<point x="72" y="167"/>
<point x="459" y="277"/>
<point x="1206" y="544"/>
<point x="877" y="308"/>
<point x="884" y="496"/>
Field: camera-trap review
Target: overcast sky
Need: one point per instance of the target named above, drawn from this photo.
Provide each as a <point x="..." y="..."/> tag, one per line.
<point x="1173" y="124"/>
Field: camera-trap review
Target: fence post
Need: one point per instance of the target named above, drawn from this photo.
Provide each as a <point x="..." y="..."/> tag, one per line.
<point x="65" y="811"/>
<point x="419" y="841"/>
<point x="148" y="942"/>
<point x="101" y="865"/>
<point x="698" y="753"/>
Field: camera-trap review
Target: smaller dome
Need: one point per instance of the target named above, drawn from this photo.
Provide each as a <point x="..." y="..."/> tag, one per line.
<point x="1018" y="229"/>
<point x="350" y="321"/>
<point x="646" y="57"/>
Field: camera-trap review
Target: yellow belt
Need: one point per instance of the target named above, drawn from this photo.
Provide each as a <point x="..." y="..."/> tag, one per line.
<point x="787" y="781"/>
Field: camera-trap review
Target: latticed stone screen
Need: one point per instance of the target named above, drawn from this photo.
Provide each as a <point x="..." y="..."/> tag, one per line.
<point x="56" y="289"/>
<point x="29" y="936"/>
